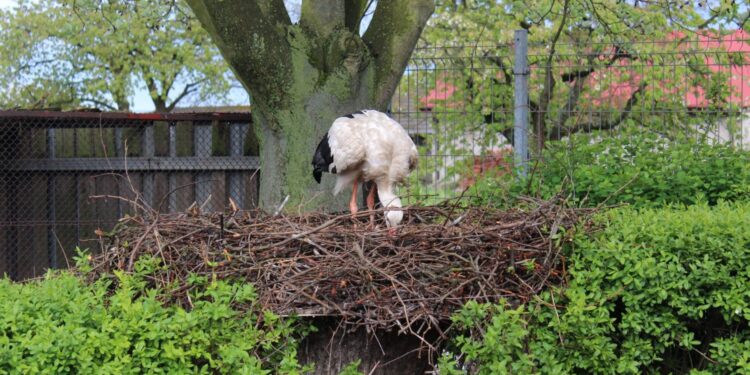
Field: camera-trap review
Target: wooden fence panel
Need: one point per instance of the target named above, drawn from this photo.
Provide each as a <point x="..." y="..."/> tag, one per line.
<point x="59" y="183"/>
<point x="32" y="250"/>
<point x="4" y="227"/>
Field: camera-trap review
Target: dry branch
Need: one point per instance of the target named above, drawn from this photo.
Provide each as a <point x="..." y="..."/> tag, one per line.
<point x="323" y="265"/>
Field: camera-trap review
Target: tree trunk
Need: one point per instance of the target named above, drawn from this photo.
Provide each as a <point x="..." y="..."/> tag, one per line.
<point x="123" y="104"/>
<point x="301" y="77"/>
<point x="286" y="153"/>
<point x="289" y="134"/>
<point x="332" y="348"/>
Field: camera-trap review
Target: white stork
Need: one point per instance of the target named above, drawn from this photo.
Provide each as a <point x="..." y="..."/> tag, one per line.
<point x="368" y="146"/>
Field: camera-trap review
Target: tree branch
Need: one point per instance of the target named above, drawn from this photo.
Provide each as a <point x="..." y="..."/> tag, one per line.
<point x="498" y="61"/>
<point x="251" y="35"/>
<point x="352" y="14"/>
<point x="99" y="103"/>
<point x="579" y="78"/>
<point x="570" y="105"/>
<point x="187" y="90"/>
<point x="741" y="23"/>
<point x="361" y="16"/>
<point x="392" y="35"/>
<point x="549" y="83"/>
<point x="160" y="102"/>
<point x="564" y="131"/>
<point x="322" y="16"/>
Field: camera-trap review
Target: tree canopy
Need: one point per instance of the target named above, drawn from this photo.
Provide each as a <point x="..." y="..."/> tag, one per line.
<point x="579" y="51"/>
<point x="93" y="53"/>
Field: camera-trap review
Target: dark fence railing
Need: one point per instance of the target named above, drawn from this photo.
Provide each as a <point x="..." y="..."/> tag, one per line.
<point x="63" y="175"/>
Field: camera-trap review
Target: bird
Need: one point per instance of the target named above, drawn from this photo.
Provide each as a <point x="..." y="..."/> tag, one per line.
<point x="370" y="147"/>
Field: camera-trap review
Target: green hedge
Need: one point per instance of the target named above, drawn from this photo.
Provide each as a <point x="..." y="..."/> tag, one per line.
<point x="657" y="291"/>
<point x="641" y="171"/>
<point x="61" y="325"/>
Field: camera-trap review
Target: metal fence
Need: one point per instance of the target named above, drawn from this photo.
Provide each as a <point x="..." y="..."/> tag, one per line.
<point x="487" y="107"/>
<point x="474" y="110"/>
<point x="64" y="175"/>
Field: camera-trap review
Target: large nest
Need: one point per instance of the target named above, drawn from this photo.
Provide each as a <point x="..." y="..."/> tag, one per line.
<point x="323" y="265"/>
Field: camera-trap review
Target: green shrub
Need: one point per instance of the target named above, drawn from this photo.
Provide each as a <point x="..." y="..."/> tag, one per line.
<point x="656" y="291"/>
<point x="641" y="171"/>
<point x="61" y="325"/>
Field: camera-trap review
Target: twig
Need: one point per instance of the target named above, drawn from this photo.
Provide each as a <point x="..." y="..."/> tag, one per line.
<point x="318" y="264"/>
<point x="281" y="206"/>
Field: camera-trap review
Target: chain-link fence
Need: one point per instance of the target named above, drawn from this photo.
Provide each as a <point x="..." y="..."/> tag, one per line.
<point x="65" y="175"/>
<point x="474" y="110"/>
<point x="467" y="105"/>
<point x="458" y="133"/>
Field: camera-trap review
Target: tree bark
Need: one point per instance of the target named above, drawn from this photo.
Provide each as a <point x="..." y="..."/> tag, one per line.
<point x="302" y="77"/>
<point x="287" y="148"/>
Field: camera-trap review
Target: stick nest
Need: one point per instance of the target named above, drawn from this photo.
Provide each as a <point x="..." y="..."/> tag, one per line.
<point x="321" y="264"/>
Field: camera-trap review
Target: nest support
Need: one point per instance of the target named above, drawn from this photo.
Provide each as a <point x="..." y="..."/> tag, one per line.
<point x="322" y="265"/>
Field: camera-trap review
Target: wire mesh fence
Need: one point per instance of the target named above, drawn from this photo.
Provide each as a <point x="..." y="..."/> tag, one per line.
<point x="65" y="175"/>
<point x="458" y="101"/>
<point x="61" y="173"/>
<point x="459" y="133"/>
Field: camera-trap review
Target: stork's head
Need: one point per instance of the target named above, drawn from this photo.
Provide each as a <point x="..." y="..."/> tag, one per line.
<point x="393" y="215"/>
<point x="393" y="218"/>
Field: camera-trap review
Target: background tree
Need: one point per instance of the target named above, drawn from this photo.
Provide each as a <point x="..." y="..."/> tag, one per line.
<point x="302" y="76"/>
<point x="92" y="53"/>
<point x="579" y="51"/>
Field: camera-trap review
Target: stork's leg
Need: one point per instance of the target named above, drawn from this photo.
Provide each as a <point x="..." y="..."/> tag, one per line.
<point x="392" y="231"/>
<point x="371" y="204"/>
<point x="353" y="202"/>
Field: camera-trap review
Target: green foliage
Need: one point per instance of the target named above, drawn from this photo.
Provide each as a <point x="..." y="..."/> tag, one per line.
<point x="60" y="325"/>
<point x="656" y="291"/>
<point x="352" y="368"/>
<point x="581" y="56"/>
<point x="65" y="53"/>
<point x="641" y="171"/>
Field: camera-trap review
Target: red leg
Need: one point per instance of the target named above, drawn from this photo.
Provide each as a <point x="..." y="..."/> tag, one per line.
<point x="353" y="202"/>
<point x="371" y="204"/>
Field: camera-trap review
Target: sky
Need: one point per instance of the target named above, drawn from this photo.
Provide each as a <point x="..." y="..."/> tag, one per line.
<point x="141" y="100"/>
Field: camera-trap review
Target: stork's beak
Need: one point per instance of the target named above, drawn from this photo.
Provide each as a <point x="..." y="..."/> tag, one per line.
<point x="392" y="231"/>
<point x="317" y="174"/>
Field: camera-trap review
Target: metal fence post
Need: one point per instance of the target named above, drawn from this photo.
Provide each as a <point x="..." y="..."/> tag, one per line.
<point x="521" y="102"/>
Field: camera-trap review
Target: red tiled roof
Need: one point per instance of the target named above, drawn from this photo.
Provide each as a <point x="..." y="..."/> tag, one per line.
<point x="739" y="75"/>
<point x="618" y="89"/>
<point x="619" y="92"/>
<point x="442" y="92"/>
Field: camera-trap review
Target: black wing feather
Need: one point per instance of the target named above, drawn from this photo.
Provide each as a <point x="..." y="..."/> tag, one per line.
<point x="322" y="159"/>
<point x="351" y="115"/>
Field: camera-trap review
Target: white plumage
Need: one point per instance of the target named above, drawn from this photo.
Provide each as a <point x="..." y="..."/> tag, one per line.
<point x="368" y="146"/>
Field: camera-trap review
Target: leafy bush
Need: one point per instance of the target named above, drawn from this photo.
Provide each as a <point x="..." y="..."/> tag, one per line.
<point x="61" y="325"/>
<point x="656" y="291"/>
<point x="641" y="171"/>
